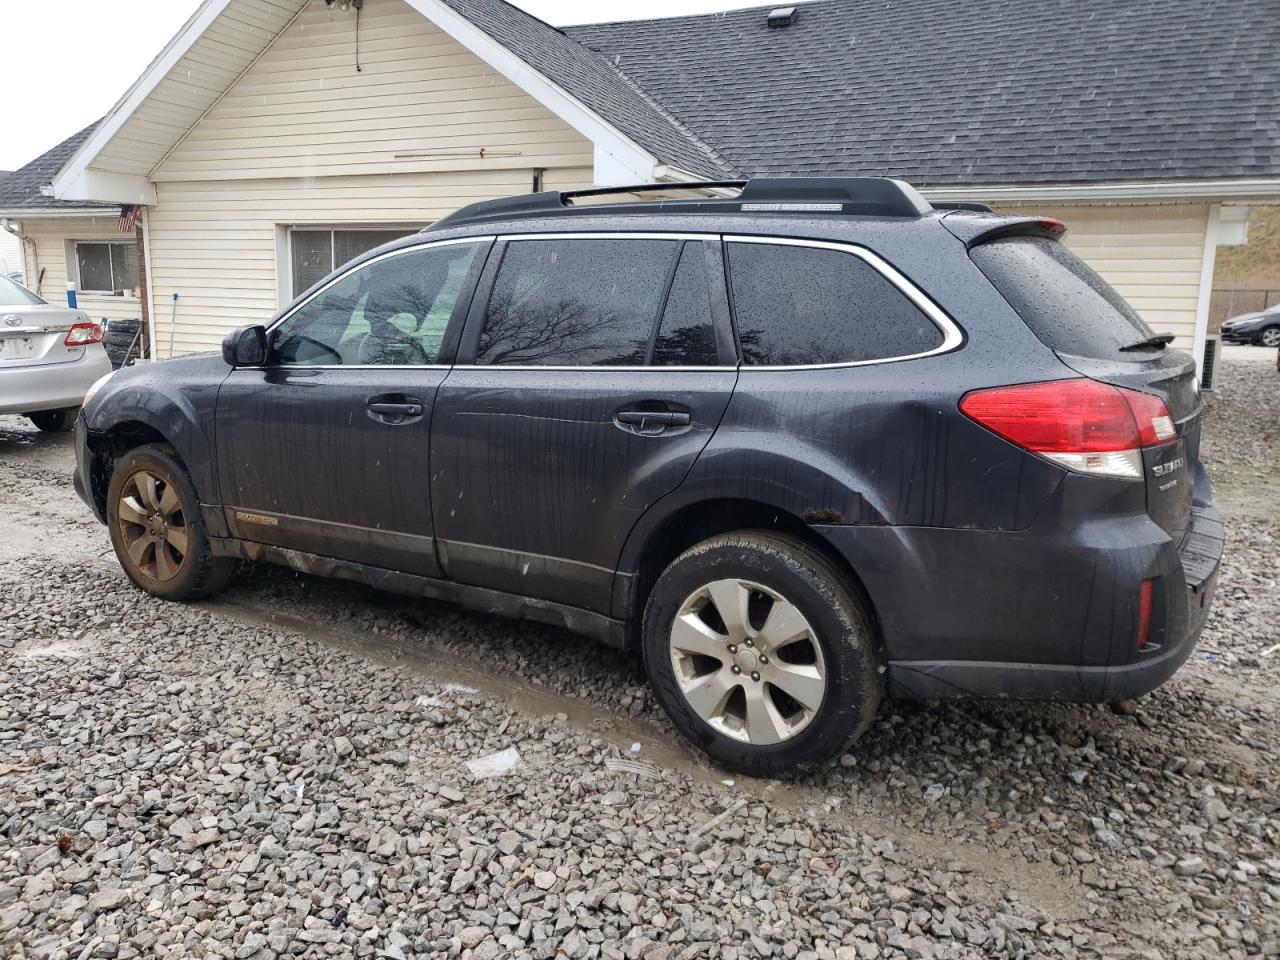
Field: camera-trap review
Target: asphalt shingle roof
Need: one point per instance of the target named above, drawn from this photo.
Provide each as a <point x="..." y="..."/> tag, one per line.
<point x="938" y="92"/>
<point x="20" y="190"/>
<point x="597" y="83"/>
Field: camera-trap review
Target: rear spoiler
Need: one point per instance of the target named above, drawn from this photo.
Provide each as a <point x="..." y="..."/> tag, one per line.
<point x="974" y="228"/>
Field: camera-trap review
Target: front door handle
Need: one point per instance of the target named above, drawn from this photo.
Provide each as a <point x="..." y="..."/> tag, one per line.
<point x="651" y="423"/>
<point x="395" y="409"/>
<point x="666" y="418"/>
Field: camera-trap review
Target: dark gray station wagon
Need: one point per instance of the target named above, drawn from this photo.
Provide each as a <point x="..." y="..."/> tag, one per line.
<point x="804" y="448"/>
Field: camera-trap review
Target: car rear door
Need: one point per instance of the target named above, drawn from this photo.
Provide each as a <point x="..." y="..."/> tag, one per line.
<point x="325" y="449"/>
<point x="593" y="371"/>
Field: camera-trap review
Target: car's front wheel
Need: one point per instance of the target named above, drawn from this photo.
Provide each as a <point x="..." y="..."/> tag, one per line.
<point x="761" y="652"/>
<point x="54" y="421"/>
<point x="153" y="515"/>
<point x="1270" y="337"/>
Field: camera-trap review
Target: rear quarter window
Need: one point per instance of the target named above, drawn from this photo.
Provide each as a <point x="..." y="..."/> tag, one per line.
<point x="1064" y="302"/>
<point x="805" y="305"/>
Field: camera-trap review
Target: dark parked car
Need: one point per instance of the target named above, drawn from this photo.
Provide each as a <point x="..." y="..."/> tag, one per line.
<point x="1261" y="328"/>
<point x="805" y="448"/>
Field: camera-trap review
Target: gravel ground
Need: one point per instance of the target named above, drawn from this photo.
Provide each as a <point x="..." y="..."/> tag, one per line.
<point x="282" y="772"/>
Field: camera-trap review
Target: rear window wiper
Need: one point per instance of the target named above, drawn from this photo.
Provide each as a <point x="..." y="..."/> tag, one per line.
<point x="1156" y="341"/>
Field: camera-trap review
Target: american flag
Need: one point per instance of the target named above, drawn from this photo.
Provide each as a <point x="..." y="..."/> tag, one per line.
<point x="128" y="218"/>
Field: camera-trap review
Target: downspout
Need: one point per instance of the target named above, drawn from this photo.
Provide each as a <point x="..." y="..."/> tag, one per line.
<point x="1205" y="292"/>
<point x="27" y="243"/>
<point x="151" y="285"/>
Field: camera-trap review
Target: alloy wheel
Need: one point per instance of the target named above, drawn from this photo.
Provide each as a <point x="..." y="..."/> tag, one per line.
<point x="747" y="661"/>
<point x="1271" y="337"/>
<point x="152" y="525"/>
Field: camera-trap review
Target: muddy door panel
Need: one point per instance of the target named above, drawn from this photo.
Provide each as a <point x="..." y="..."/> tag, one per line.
<point x="538" y="475"/>
<point x="332" y="462"/>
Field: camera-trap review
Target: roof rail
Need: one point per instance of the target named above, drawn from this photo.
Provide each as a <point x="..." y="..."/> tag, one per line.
<point x="856" y="196"/>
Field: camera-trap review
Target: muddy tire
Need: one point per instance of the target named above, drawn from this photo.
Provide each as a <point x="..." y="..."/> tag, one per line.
<point x="762" y="653"/>
<point x="54" y="421"/>
<point x="157" y="531"/>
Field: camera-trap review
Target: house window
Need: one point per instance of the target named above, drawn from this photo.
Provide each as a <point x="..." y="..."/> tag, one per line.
<point x="109" y="267"/>
<point x="314" y="254"/>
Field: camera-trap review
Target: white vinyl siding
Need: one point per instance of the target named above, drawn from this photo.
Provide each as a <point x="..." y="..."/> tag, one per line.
<point x="1152" y="254"/>
<point x="420" y="102"/>
<point x="222" y="246"/>
<point x="55" y="239"/>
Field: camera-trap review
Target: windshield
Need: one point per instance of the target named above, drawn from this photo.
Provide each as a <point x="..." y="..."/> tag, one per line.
<point x="13" y="295"/>
<point x="1068" y="306"/>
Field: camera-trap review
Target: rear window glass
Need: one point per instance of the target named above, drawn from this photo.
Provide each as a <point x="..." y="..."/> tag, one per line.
<point x="802" y="305"/>
<point x="1064" y="302"/>
<point x="14" y="295"/>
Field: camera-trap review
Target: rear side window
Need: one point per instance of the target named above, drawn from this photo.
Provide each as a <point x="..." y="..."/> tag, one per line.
<point x="802" y="305"/>
<point x="576" y="303"/>
<point x="1064" y="302"/>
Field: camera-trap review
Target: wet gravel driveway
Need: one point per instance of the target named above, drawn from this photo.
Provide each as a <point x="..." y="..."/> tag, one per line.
<point x="283" y="771"/>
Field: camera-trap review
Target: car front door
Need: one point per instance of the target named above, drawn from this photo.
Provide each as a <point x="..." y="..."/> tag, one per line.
<point x="592" y="372"/>
<point x="325" y="449"/>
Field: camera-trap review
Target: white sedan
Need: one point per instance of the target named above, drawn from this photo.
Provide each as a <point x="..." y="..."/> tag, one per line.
<point x="49" y="357"/>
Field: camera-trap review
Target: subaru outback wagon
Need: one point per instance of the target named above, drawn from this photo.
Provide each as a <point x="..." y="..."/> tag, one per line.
<point x="804" y="448"/>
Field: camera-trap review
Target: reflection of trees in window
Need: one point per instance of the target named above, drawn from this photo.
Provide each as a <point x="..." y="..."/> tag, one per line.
<point x="566" y="330"/>
<point x="575" y="302"/>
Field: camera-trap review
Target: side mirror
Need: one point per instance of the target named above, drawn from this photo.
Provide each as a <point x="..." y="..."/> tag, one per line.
<point x="246" y="347"/>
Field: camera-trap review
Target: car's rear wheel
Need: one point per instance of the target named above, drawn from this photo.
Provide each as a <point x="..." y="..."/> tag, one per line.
<point x="54" y="421"/>
<point x="1270" y="337"/>
<point x="153" y="515"/>
<point x="761" y="652"/>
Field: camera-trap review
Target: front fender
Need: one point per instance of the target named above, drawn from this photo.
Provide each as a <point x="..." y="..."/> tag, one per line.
<point x="175" y="399"/>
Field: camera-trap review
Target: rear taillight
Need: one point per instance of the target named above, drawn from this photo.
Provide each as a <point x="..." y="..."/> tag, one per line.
<point x="1083" y="425"/>
<point x="83" y="334"/>
<point x="1145" y="596"/>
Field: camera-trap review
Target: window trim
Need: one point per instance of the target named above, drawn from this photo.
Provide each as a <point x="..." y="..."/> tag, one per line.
<point x="360" y="265"/>
<point x="111" y="266"/>
<point x="952" y="336"/>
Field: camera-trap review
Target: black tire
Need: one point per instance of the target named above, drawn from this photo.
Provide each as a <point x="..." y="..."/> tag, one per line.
<point x="198" y="572"/>
<point x="840" y="627"/>
<point x="54" y="421"/>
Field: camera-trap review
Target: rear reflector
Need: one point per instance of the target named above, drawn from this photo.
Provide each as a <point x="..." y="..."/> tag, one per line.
<point x="83" y="334"/>
<point x="1083" y="425"/>
<point x="1144" y="613"/>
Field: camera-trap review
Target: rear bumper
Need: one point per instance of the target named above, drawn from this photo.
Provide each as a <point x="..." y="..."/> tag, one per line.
<point x="52" y="386"/>
<point x="1042" y="614"/>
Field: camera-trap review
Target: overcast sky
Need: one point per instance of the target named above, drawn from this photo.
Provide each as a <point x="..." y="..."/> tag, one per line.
<point x="67" y="61"/>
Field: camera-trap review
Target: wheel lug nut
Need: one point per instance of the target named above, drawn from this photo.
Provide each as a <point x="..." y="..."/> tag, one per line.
<point x="736" y="668"/>
<point x="749" y="642"/>
<point x="732" y="648"/>
<point x="763" y="658"/>
<point x="754" y="675"/>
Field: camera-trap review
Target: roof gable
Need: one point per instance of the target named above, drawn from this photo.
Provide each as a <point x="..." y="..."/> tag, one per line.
<point x="939" y="92"/>
<point x="22" y="189"/>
